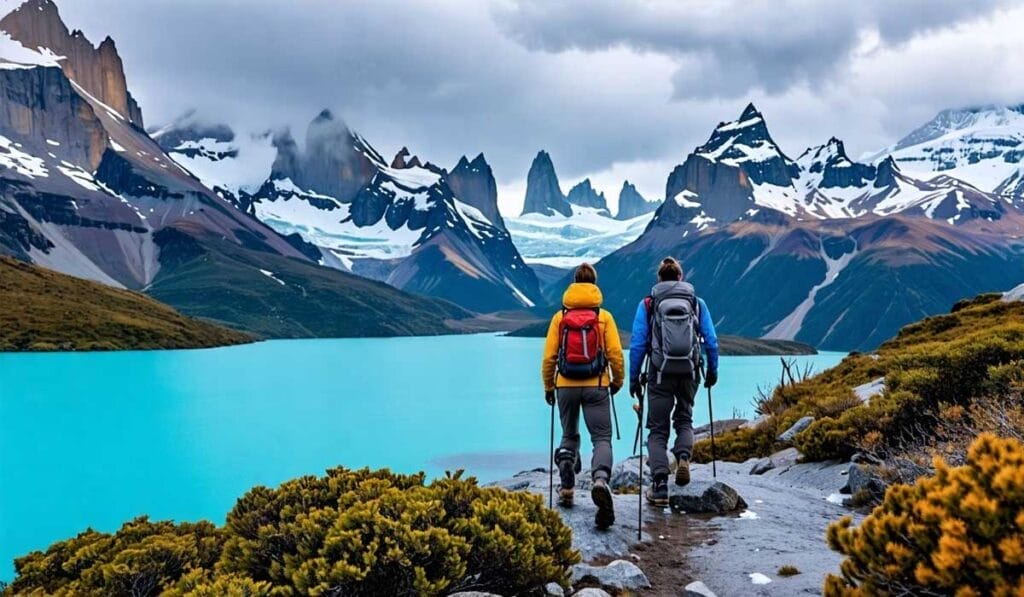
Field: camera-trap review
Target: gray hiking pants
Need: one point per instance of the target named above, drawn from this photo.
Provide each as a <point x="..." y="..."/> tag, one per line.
<point x="670" y="400"/>
<point x="598" y="417"/>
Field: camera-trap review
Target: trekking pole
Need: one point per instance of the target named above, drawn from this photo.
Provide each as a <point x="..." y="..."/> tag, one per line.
<point x="714" y="472"/>
<point x="640" y="483"/>
<point x="551" y="462"/>
<point x="615" y="414"/>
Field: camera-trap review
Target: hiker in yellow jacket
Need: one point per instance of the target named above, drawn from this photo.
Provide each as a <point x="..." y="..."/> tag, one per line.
<point x="583" y="361"/>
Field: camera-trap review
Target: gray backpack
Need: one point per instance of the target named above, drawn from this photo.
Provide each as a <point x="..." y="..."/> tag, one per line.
<point x="674" y="317"/>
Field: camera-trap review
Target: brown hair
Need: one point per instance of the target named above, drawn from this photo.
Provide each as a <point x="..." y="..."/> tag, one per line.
<point x="670" y="270"/>
<point x="586" y="274"/>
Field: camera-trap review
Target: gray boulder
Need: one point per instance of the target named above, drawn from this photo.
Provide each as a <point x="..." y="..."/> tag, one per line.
<point x="554" y="589"/>
<point x="626" y="474"/>
<point x="591" y="592"/>
<point x="789" y="434"/>
<point x="860" y="479"/>
<point x="705" y="497"/>
<point x="620" y="575"/>
<point x="762" y="466"/>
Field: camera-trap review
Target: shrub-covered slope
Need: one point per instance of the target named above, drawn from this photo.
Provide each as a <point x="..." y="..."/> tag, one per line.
<point x="44" y="310"/>
<point x="943" y="361"/>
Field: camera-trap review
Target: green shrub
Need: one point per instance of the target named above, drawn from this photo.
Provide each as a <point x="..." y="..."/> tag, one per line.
<point x="936" y="363"/>
<point x="958" y="532"/>
<point x="346" y="533"/>
<point x="142" y="557"/>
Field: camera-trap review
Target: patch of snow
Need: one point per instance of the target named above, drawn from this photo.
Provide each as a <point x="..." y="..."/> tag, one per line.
<point x="14" y="56"/>
<point x="246" y="171"/>
<point x="1015" y="294"/>
<point x="686" y="199"/>
<point x="53" y="143"/>
<point x="789" y="327"/>
<point x="835" y="498"/>
<point x="749" y="515"/>
<point x="759" y="579"/>
<point x="271" y="275"/>
<point x="23" y="163"/>
<point x="518" y="294"/>
<point x="79" y="176"/>
<point x="92" y="99"/>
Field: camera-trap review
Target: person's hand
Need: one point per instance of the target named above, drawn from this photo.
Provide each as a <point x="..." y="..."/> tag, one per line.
<point x="711" y="379"/>
<point x="615" y="387"/>
<point x="636" y="390"/>
<point x="549" y="397"/>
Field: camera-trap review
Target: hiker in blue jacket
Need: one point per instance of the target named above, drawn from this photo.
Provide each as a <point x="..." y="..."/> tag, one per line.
<point x="670" y="327"/>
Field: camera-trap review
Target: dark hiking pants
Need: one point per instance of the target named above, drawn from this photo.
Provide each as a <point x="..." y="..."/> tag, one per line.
<point x="597" y="415"/>
<point x="670" y="401"/>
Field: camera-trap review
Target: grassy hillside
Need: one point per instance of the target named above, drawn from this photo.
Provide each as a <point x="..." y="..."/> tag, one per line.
<point x="932" y="368"/>
<point x="44" y="310"/>
<point x="279" y="297"/>
<point x="728" y="345"/>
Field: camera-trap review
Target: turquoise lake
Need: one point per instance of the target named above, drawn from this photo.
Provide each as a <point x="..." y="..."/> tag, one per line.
<point x="94" y="439"/>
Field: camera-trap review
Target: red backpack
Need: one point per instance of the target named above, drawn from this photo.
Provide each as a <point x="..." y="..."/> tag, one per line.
<point x="581" y="347"/>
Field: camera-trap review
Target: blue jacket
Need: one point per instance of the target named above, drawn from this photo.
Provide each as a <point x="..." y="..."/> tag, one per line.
<point x="641" y="335"/>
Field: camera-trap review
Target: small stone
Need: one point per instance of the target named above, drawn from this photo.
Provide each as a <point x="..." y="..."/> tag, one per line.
<point x="705" y="497"/>
<point x="620" y="575"/>
<point x="697" y="589"/>
<point x="789" y="434"/>
<point x="554" y="589"/>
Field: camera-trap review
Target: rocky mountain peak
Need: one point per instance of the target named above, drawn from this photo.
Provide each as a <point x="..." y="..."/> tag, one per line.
<point x="543" y="193"/>
<point x="400" y="158"/>
<point x="473" y="183"/>
<point x="98" y="70"/>
<point x="632" y="204"/>
<point x="584" y="195"/>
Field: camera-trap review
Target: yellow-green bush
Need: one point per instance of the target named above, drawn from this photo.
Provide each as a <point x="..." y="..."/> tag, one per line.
<point x="141" y="558"/>
<point x="346" y="533"/>
<point x="958" y="532"/>
<point x="937" y="362"/>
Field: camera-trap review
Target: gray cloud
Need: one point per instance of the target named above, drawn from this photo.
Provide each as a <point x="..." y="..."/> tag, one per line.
<point x="609" y="89"/>
<point x="730" y="47"/>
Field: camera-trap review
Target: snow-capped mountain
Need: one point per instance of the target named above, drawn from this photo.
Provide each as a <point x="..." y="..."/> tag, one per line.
<point x="400" y="221"/>
<point x="85" y="191"/>
<point x="561" y="231"/>
<point x="822" y="249"/>
<point x="982" y="146"/>
<point x="741" y="170"/>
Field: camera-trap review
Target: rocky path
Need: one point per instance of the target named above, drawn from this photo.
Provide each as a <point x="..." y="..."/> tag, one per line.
<point x="779" y="520"/>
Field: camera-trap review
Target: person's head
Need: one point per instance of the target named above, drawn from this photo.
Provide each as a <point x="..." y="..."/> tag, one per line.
<point x="670" y="270"/>
<point x="586" y="274"/>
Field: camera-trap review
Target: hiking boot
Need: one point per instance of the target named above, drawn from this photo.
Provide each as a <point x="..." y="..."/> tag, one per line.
<point x="683" y="473"/>
<point x="602" y="497"/>
<point x="658" y="492"/>
<point x="565" y="497"/>
<point x="568" y="465"/>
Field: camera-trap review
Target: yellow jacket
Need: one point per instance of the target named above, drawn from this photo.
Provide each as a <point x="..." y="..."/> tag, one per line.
<point x="583" y="296"/>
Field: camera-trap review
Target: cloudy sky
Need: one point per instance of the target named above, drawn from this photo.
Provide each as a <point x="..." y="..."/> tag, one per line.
<point x="612" y="89"/>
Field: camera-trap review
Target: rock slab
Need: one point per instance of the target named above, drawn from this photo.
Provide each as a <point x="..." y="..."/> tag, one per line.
<point x="620" y="575"/>
<point x="697" y="589"/>
<point x="705" y="497"/>
<point x="789" y="434"/>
